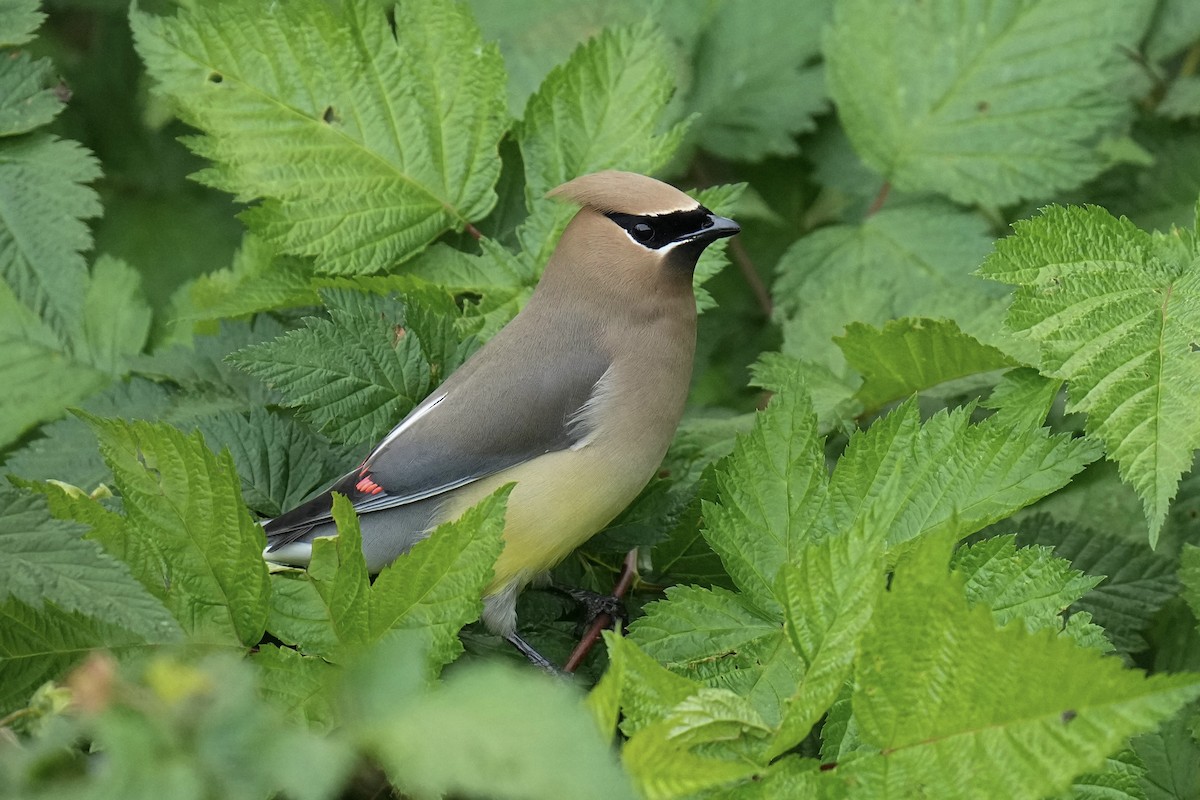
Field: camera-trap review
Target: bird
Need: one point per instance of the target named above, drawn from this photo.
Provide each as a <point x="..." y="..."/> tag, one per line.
<point x="575" y="400"/>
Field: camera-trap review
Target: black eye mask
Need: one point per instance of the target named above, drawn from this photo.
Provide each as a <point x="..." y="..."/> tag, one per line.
<point x="658" y="231"/>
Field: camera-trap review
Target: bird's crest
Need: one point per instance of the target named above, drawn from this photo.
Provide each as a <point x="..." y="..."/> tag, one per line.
<point x="625" y="193"/>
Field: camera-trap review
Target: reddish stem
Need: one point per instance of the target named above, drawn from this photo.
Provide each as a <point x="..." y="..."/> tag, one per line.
<point x="603" y="620"/>
<point x="880" y="198"/>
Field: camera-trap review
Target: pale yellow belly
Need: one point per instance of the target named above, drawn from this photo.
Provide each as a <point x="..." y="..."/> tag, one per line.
<point x="560" y="500"/>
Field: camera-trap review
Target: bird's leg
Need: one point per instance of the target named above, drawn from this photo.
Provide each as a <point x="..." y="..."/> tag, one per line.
<point x="535" y="658"/>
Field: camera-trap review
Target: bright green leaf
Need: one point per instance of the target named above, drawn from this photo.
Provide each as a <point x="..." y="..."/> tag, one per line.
<point x="937" y="686"/>
<point x="1029" y="584"/>
<point x="1116" y="312"/>
<point x="392" y="130"/>
<point x="186" y="535"/>
<point x="602" y="109"/>
<point x="769" y="491"/>
<point x="913" y="355"/>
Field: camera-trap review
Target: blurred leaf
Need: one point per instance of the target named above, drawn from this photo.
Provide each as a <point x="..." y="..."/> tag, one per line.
<point x="21" y="18"/>
<point x="1182" y="99"/>
<point x="116" y="319"/>
<point x="984" y="102"/>
<point x="43" y="202"/>
<point x="296" y="684"/>
<point x="452" y="738"/>
<point x="28" y="96"/>
<point x="755" y="86"/>
<point x="903" y="262"/>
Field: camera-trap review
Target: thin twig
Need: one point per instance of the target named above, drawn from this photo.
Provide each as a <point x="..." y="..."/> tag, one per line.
<point x="473" y="232"/>
<point x="603" y="620"/>
<point x="880" y="198"/>
<point x="740" y="257"/>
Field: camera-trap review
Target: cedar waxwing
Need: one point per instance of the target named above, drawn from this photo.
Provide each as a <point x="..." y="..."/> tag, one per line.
<point x="575" y="400"/>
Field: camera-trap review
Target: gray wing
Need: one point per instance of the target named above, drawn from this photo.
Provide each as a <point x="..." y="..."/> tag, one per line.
<point x="493" y="413"/>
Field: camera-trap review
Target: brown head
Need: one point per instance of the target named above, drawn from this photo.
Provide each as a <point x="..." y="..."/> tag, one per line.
<point x="633" y="236"/>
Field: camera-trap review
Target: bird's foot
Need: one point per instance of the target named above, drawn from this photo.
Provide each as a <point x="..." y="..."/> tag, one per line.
<point x="595" y="604"/>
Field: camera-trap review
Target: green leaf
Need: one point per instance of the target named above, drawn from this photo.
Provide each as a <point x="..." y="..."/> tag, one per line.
<point x="37" y="645"/>
<point x="901" y="262"/>
<point x="602" y="109"/>
<point x="722" y="200"/>
<point x="210" y="384"/>
<point x="20" y="19"/>
<point x="67" y="449"/>
<point x="646" y="690"/>
<point x="325" y="610"/>
<point x="1136" y="583"/>
<point x="333" y="610"/>
<point x="46" y="560"/>
<point x="661" y="762"/>
<point x="116" y="317"/>
<point x="755" y="86"/>
<point x="1029" y="584"/>
<point x="487" y="731"/>
<point x="280" y="460"/>
<point x="43" y="205"/>
<point x="1120" y="779"/>
<point x="28" y="96"/>
<point x="1012" y="106"/>
<point x="296" y="684"/>
<point x="769" y="490"/>
<point x="1116" y="312"/>
<point x="438" y="585"/>
<point x="347" y="118"/>
<point x="693" y="625"/>
<point x="258" y="280"/>
<point x="1172" y="760"/>
<point x="186" y="535"/>
<point x="1189" y="576"/>
<point x="1023" y="398"/>
<point x="937" y="684"/>
<point x="947" y="474"/>
<point x="354" y="375"/>
<point x="39" y="378"/>
<point x="913" y="355"/>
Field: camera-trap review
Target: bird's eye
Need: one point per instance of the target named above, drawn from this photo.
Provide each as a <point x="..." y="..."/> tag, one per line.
<point x="642" y="232"/>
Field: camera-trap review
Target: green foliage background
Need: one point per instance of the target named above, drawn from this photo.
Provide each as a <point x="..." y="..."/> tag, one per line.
<point x="929" y="528"/>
